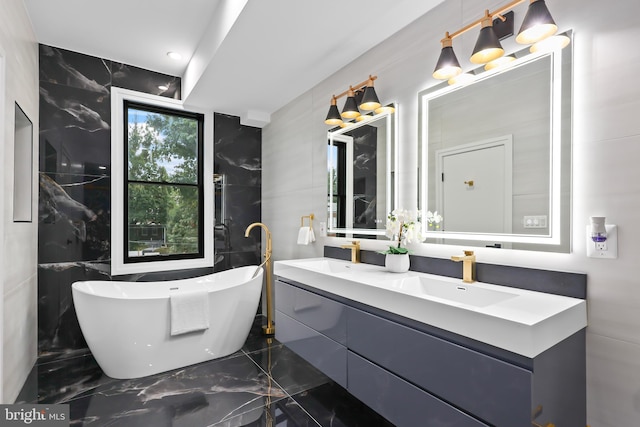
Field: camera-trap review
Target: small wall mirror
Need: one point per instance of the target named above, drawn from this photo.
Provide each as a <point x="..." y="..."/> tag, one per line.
<point x="22" y="167"/>
<point x="496" y="155"/>
<point x="361" y="166"/>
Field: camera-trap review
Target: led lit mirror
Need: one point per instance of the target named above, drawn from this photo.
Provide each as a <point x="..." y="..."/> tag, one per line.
<point x="361" y="166"/>
<point x="495" y="155"/>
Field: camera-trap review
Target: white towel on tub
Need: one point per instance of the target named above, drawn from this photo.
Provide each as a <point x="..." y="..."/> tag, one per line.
<point x="189" y="311"/>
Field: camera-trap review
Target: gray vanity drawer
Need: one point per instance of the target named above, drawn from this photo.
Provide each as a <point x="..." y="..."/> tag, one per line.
<point x="495" y="391"/>
<point x="323" y="353"/>
<point x="400" y="402"/>
<point x="319" y="313"/>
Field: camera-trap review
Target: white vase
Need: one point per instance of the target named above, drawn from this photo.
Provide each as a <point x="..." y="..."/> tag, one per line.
<point x="397" y="263"/>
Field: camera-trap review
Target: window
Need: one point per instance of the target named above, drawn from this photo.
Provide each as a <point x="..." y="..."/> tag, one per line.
<point x="164" y="183"/>
<point x="159" y="161"/>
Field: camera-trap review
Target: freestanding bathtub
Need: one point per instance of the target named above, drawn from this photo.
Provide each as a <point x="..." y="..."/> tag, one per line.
<point x="127" y="324"/>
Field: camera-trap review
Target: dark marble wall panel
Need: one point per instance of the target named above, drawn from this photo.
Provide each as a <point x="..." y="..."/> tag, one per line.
<point x="238" y="166"/>
<point x="74" y="69"/>
<point x="238" y="151"/>
<point x="74" y="218"/>
<point x="365" y="176"/>
<point x="75" y="184"/>
<point x="58" y="328"/>
<point x="138" y="79"/>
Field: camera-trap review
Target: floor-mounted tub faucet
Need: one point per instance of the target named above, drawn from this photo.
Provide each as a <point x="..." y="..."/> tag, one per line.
<point x="268" y="329"/>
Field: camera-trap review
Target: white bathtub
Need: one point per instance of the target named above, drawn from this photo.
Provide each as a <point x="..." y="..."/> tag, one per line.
<point x="127" y="324"/>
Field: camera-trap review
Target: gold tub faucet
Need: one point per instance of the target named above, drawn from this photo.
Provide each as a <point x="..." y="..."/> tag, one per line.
<point x="355" y="250"/>
<point x="269" y="329"/>
<point x="468" y="266"/>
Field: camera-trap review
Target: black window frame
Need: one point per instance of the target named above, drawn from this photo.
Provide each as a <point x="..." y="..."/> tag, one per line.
<point x="127" y="104"/>
<point x="341" y="177"/>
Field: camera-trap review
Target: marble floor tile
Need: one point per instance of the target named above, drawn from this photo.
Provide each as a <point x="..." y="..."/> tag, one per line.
<point x="289" y="370"/>
<point x="264" y="384"/>
<point x="199" y="395"/>
<point x="62" y="380"/>
<point x="332" y="406"/>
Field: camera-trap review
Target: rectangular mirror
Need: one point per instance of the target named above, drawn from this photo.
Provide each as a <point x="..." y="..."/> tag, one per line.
<point x="496" y="155"/>
<point x="22" y="167"/>
<point x="361" y="165"/>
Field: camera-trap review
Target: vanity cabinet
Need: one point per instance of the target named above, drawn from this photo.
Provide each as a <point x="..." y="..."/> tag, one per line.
<point x="315" y="327"/>
<point x="414" y="377"/>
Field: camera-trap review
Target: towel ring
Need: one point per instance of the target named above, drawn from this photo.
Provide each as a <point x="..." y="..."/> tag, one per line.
<point x="310" y="220"/>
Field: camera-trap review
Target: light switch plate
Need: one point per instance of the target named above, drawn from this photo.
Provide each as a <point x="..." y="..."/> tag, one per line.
<point x="606" y="249"/>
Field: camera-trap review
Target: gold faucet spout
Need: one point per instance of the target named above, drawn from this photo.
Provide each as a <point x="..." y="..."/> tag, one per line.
<point x="268" y="329"/>
<point x="468" y="266"/>
<point x="355" y="250"/>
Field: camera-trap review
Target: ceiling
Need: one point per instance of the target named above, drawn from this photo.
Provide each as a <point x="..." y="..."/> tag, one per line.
<point x="242" y="57"/>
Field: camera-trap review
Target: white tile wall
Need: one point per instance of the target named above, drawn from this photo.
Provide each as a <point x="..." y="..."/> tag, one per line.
<point x="606" y="177"/>
<point x="18" y="248"/>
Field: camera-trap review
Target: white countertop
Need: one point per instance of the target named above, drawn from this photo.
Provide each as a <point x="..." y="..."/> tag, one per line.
<point x="521" y="321"/>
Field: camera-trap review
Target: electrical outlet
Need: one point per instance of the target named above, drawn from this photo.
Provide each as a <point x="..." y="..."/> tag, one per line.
<point x="606" y="249"/>
<point x="601" y="246"/>
<point x="323" y="229"/>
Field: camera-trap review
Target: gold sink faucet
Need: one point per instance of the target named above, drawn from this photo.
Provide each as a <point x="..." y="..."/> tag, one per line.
<point x="355" y="250"/>
<point x="468" y="266"/>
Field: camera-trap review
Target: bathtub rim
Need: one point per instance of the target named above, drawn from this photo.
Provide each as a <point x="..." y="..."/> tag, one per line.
<point x="211" y="282"/>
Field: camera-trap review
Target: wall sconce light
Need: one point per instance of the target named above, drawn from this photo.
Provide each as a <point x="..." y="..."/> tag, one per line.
<point x="350" y="109"/>
<point x="368" y="102"/>
<point x="333" y="118"/>
<point x="447" y="66"/>
<point x="538" y="28"/>
<point x="537" y="24"/>
<point x="487" y="46"/>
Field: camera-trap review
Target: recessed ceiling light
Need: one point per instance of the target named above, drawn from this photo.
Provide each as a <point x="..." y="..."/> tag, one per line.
<point x="174" y="55"/>
<point x="163" y="87"/>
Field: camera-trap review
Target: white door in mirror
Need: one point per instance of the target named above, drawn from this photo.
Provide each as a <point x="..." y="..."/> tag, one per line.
<point x="606" y="249"/>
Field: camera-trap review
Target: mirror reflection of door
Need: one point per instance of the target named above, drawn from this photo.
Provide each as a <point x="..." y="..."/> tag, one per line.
<point x="474" y="189"/>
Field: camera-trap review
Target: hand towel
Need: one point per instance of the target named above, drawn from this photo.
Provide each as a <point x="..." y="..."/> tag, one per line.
<point x="189" y="311"/>
<point x="312" y="235"/>
<point x="303" y="236"/>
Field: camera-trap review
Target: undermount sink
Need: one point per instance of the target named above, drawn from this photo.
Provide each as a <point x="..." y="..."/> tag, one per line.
<point x="518" y="320"/>
<point x="461" y="293"/>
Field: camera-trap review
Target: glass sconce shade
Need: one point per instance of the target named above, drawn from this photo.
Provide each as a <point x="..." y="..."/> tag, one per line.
<point x="333" y="117"/>
<point x="487" y="47"/>
<point x="385" y="109"/>
<point x="448" y="65"/>
<point x="369" y="99"/>
<point x="350" y="109"/>
<point x="550" y="44"/>
<point x="537" y="24"/>
<point x="499" y="62"/>
<point x="461" y="79"/>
